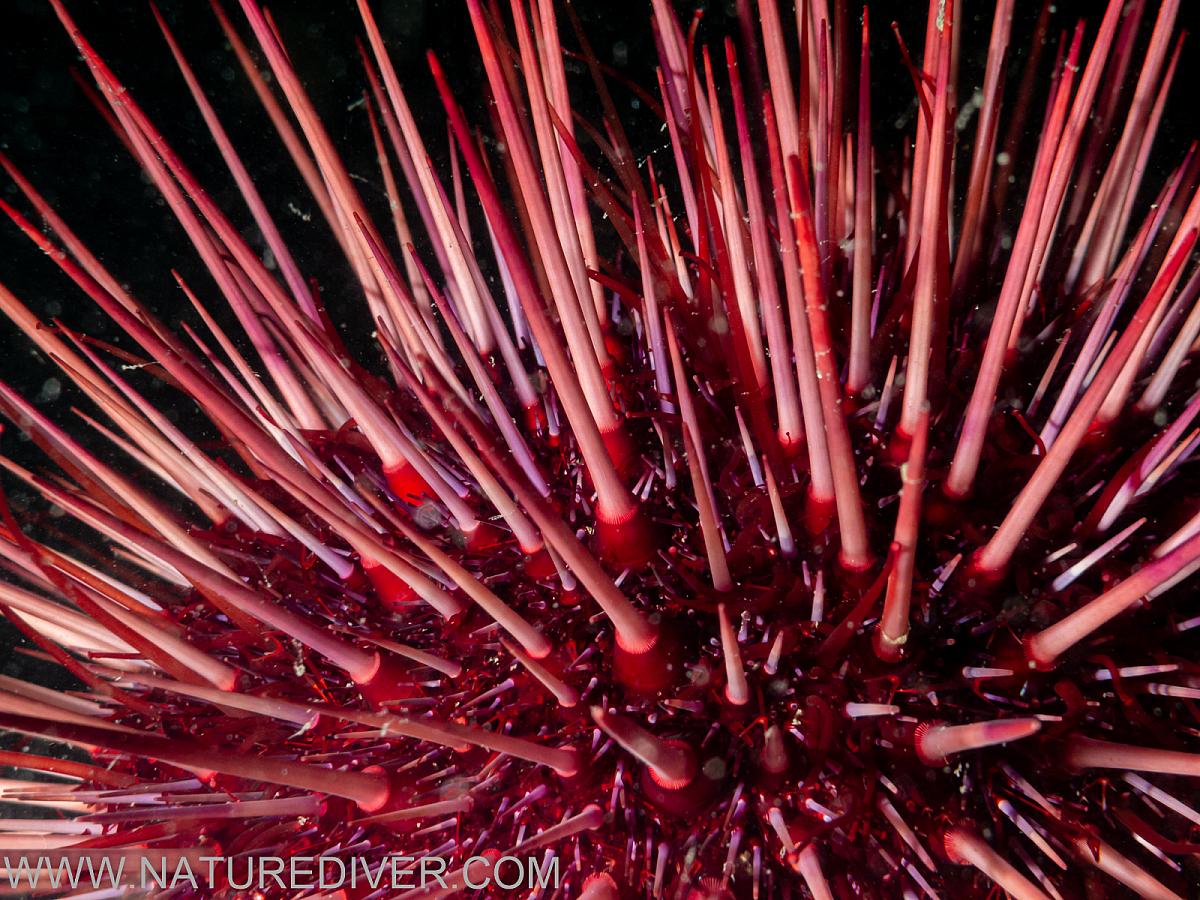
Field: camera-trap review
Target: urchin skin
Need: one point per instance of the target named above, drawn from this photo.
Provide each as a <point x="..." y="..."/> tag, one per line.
<point x="757" y="517"/>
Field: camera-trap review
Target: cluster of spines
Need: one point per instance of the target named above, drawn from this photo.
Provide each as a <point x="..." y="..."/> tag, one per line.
<point x="562" y="413"/>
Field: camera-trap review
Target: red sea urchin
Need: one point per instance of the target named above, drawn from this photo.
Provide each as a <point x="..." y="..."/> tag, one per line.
<point x="729" y="541"/>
